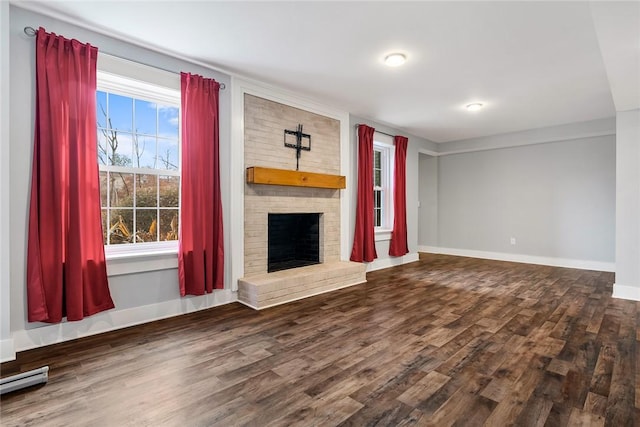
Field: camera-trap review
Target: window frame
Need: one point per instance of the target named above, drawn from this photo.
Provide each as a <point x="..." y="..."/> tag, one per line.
<point x="133" y="87"/>
<point x="387" y="149"/>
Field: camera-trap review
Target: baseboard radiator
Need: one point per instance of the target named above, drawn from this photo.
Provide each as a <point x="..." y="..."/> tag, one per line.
<point x="25" y="379"/>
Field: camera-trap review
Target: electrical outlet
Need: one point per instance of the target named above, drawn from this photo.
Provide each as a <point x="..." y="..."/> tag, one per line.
<point x="513" y="240"/>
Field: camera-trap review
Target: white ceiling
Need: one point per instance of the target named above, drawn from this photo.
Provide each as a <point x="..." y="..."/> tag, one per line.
<point x="533" y="64"/>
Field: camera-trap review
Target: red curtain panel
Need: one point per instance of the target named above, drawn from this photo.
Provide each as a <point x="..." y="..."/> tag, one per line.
<point x="201" y="253"/>
<point x="398" y="245"/>
<point x="364" y="245"/>
<point x="66" y="269"/>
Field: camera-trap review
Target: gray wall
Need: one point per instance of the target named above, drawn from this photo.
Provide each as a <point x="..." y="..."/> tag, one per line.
<point x="598" y="127"/>
<point x="415" y="144"/>
<point x="628" y="205"/>
<point x="428" y="196"/>
<point x="129" y="291"/>
<point x="556" y="199"/>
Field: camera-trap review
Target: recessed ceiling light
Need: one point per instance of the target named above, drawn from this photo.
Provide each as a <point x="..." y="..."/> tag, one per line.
<point x="395" y="59"/>
<point x="475" y="106"/>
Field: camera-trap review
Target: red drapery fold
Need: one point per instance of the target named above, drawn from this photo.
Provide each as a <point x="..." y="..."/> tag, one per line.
<point x="364" y="245"/>
<point x="398" y="245"/>
<point x="66" y="269"/>
<point x="201" y="252"/>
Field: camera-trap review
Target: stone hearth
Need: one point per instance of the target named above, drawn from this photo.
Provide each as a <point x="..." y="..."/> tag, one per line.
<point x="269" y="289"/>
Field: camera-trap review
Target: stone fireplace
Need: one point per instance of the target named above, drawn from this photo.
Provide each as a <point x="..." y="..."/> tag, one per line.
<point x="265" y="285"/>
<point x="265" y="122"/>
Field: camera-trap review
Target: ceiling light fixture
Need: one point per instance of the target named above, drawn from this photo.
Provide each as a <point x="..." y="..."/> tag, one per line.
<point x="475" y="106"/>
<point x="395" y="59"/>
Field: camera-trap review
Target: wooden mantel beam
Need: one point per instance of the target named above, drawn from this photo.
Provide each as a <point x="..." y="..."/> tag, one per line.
<point x="270" y="176"/>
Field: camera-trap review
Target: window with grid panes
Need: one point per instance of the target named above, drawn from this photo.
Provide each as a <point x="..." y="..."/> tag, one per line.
<point x="139" y="162"/>
<point x="382" y="204"/>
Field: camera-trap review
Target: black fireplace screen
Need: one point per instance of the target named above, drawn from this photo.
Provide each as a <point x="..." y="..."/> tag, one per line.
<point x="294" y="240"/>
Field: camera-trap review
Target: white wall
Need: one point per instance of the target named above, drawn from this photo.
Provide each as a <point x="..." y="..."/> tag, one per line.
<point x="138" y="297"/>
<point x="428" y="196"/>
<point x="415" y="145"/>
<point x="557" y="199"/>
<point x="628" y="205"/>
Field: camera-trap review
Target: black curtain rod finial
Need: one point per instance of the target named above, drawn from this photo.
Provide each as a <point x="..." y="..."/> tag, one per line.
<point x="30" y="31"/>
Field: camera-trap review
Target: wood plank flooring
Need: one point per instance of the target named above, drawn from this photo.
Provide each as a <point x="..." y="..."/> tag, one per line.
<point x="443" y="341"/>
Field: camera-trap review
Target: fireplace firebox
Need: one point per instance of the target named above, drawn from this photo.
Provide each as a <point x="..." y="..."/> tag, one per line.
<point x="293" y="240"/>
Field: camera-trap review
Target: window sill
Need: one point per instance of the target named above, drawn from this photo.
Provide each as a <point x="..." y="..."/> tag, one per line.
<point x="139" y="262"/>
<point x="383" y="234"/>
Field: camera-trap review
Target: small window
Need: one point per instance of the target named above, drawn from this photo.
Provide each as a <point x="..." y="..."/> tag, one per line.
<point x="139" y="164"/>
<point x="382" y="185"/>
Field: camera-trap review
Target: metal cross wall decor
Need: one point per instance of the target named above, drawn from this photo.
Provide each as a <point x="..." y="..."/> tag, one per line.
<point x="298" y="145"/>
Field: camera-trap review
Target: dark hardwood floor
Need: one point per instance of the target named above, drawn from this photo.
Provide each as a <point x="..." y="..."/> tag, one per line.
<point x="443" y="341"/>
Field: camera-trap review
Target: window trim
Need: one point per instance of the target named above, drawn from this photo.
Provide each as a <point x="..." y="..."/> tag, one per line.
<point x="115" y="254"/>
<point x="132" y="87"/>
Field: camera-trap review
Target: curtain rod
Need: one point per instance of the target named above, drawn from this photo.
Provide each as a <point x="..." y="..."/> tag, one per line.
<point x="377" y="131"/>
<point x="31" y="32"/>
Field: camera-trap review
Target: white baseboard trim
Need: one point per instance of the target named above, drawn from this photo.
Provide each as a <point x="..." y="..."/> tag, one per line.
<point x="527" y="259"/>
<point x="112" y="320"/>
<point x="7" y="350"/>
<point x="379" y="264"/>
<point x="626" y="292"/>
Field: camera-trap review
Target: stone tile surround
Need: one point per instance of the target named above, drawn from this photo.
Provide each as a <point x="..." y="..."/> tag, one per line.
<point x="264" y="125"/>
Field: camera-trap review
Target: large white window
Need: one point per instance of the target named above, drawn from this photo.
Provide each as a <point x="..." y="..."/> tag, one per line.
<point x="139" y="164"/>
<point x="382" y="185"/>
